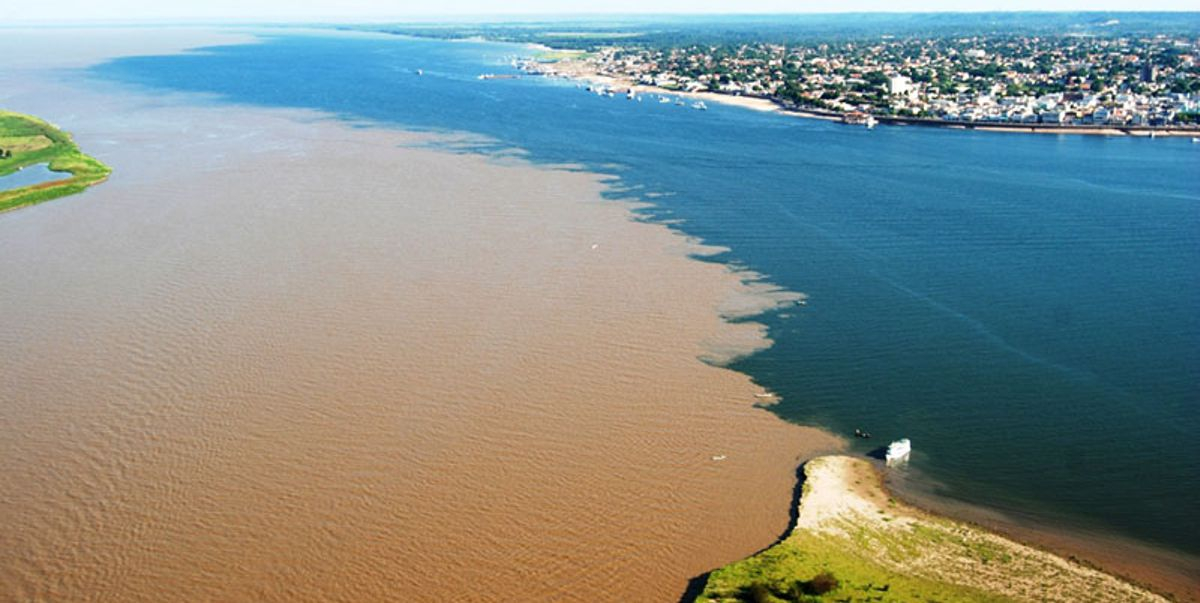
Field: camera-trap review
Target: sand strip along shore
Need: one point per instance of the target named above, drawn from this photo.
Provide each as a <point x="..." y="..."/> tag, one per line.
<point x="879" y="549"/>
<point x="278" y="358"/>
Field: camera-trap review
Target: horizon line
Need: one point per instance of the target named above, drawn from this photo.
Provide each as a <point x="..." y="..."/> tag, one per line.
<point x="332" y="19"/>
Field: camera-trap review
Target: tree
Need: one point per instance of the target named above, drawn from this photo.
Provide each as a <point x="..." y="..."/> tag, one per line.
<point x="876" y="78"/>
<point x="758" y="593"/>
<point x="820" y="584"/>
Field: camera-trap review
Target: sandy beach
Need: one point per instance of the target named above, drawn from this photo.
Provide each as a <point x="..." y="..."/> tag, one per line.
<point x="584" y="71"/>
<point x="277" y="357"/>
<point x="848" y="524"/>
<point x="1161" y="570"/>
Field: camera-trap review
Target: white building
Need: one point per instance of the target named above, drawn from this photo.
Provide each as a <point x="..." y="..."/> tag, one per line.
<point x="898" y="84"/>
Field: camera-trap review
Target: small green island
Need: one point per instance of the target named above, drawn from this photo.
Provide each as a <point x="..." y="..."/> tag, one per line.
<point x="852" y="542"/>
<point x="27" y="141"/>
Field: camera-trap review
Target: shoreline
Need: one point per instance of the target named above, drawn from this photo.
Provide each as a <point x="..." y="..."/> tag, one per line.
<point x="581" y="72"/>
<point x="1158" y="568"/>
<point x="850" y="529"/>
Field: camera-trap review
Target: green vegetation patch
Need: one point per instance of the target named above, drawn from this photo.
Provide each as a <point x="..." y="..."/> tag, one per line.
<point x="610" y="35"/>
<point x="26" y="140"/>
<point x="553" y="56"/>
<point x="824" y="567"/>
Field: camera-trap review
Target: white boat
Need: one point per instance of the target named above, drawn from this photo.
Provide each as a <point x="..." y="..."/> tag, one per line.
<point x="700" y="105"/>
<point x="664" y="99"/>
<point x="898" y="451"/>
<point x="870" y="123"/>
<point x="420" y="72"/>
<point x="630" y="95"/>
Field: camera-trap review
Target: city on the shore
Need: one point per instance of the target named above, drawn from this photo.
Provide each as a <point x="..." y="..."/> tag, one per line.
<point x="1063" y="80"/>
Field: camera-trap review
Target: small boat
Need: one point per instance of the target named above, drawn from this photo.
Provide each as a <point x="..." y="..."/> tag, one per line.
<point x="858" y="433"/>
<point x="680" y="102"/>
<point x="700" y="105"/>
<point x="664" y="99"/>
<point x="870" y="122"/>
<point x="1195" y="140"/>
<point x="764" y="395"/>
<point x="898" y="451"/>
<point x="630" y="95"/>
<point x="420" y="72"/>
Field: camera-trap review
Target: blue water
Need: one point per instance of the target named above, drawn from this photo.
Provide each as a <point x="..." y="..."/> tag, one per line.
<point x="31" y="175"/>
<point x="1023" y="307"/>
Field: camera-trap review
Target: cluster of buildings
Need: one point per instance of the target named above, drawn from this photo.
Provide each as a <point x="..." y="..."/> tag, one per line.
<point x="1083" y="80"/>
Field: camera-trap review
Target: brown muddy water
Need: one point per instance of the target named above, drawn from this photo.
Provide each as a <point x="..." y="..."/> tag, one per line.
<point x="279" y="358"/>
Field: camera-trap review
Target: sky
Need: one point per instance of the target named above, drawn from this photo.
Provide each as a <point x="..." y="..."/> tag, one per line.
<point x="14" y="11"/>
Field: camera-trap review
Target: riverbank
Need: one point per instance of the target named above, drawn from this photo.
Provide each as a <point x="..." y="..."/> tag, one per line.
<point x="853" y="540"/>
<point x="583" y="70"/>
<point x="404" y="373"/>
<point x="26" y="141"/>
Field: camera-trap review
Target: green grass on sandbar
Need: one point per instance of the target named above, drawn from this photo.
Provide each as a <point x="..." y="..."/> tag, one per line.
<point x="26" y="140"/>
<point x="789" y="571"/>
